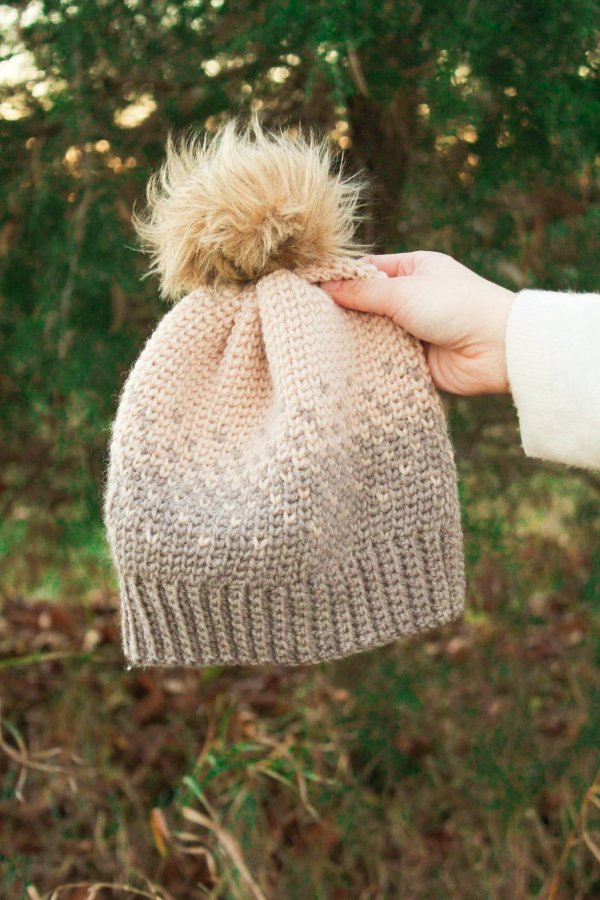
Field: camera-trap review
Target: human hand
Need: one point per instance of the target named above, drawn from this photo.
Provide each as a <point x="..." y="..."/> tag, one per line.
<point x="460" y="316"/>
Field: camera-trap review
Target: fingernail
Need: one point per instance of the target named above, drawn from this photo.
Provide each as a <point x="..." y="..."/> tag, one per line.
<point x="332" y="286"/>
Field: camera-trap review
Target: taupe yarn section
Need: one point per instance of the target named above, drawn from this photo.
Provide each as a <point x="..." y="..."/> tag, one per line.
<point x="281" y="483"/>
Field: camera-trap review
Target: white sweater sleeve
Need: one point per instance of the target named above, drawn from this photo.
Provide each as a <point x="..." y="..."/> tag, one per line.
<point x="553" y="359"/>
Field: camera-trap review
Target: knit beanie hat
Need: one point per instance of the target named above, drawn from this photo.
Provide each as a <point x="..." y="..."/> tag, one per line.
<point x="281" y="485"/>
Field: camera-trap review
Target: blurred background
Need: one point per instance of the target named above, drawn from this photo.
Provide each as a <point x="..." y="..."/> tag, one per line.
<point x="458" y="765"/>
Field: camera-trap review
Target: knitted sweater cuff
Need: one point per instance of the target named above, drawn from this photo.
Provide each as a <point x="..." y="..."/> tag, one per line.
<point x="553" y="359"/>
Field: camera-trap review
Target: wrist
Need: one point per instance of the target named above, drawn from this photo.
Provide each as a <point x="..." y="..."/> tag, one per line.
<point x="502" y="306"/>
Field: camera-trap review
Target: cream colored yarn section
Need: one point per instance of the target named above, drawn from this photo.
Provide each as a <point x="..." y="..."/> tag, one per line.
<point x="269" y="441"/>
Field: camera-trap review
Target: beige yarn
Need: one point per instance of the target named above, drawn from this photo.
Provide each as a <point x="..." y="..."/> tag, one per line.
<point x="281" y="484"/>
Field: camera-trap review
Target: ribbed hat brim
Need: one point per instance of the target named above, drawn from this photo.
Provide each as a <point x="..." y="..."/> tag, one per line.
<point x="366" y="600"/>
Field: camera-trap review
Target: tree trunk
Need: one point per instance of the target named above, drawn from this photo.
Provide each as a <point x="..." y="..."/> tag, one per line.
<point x="382" y="145"/>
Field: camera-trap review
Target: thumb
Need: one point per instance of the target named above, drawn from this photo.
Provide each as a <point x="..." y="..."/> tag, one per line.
<point x="374" y="295"/>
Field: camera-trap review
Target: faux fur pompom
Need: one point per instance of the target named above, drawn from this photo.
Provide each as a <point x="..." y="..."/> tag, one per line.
<point x="239" y="203"/>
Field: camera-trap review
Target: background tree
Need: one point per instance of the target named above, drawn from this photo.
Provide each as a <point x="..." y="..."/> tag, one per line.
<point x="477" y="124"/>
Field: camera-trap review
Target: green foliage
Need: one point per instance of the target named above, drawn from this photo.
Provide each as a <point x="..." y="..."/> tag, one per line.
<point x="456" y="765"/>
<point x="476" y="124"/>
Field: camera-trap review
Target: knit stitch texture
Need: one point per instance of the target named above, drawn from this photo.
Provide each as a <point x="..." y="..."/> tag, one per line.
<point x="281" y="485"/>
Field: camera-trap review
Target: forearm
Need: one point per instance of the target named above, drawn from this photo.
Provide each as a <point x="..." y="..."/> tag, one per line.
<point x="553" y="358"/>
